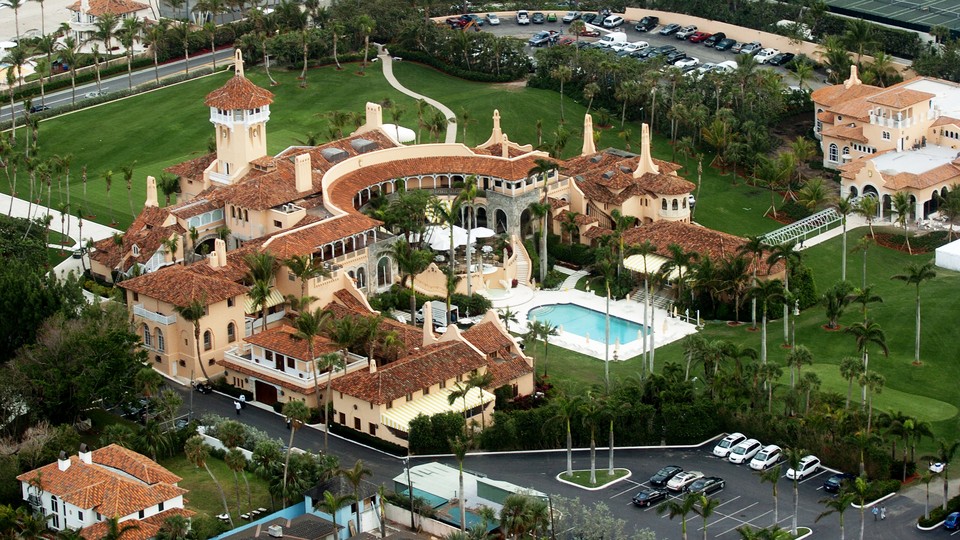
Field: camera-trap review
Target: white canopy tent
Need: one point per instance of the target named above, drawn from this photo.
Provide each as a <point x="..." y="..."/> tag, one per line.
<point x="654" y="263"/>
<point x="948" y="256"/>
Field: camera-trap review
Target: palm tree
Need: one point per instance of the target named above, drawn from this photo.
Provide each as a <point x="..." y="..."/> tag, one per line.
<point x="108" y="179"/>
<point x="867" y="207"/>
<point x="859" y="489"/>
<point x="754" y="246"/>
<point x="459" y="447"/>
<point x="562" y="73"/>
<point x="902" y="206"/>
<point x="331" y="504"/>
<point x="679" y="260"/>
<point x="541" y="330"/>
<point x="128" y="178"/>
<point x="591" y="410"/>
<point x="116" y="530"/>
<point x="860" y="36"/>
<point x="681" y="508"/>
<point x="181" y="34"/>
<point x="297" y="414"/>
<point x="236" y="462"/>
<point x="945" y="453"/>
<point x="365" y="25"/>
<point x="865" y="296"/>
<point x="467" y="195"/>
<point x="15" y="5"/>
<point x="304" y="268"/>
<point x="866" y="333"/>
<point x="705" y="510"/>
<point x="129" y="34"/>
<point x="787" y="253"/>
<point x="645" y="249"/>
<point x="872" y="383"/>
<point x="344" y="333"/>
<point x="850" y="368"/>
<point x="508" y="316"/>
<point x="838" y="504"/>
<point x="916" y="274"/>
<point x="766" y="292"/>
<point x="197" y="453"/>
<point x="355" y="476"/>
<point x="155" y="35"/>
<point x="309" y="325"/>
<point x="410" y="262"/>
<point x="543" y="169"/>
<point x="926" y="477"/>
<point x="773" y="475"/>
<point x="193" y="312"/>
<point x="565" y="407"/>
<point x="795" y="359"/>
<point x="793" y="457"/>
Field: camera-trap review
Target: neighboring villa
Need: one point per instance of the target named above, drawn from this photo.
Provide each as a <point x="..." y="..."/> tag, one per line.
<point x="905" y="138"/>
<point x="85" y="491"/>
<point x="84" y="15"/>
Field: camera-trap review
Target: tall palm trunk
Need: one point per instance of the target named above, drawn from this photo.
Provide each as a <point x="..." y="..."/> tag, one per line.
<point x="286" y="463"/>
<point x="223" y="495"/>
<point x="593" y="456"/>
<point x="569" y="449"/>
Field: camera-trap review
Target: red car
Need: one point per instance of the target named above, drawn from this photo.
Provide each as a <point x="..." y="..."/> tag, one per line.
<point x="698" y="37"/>
<point x="566" y="40"/>
<point x="589" y="32"/>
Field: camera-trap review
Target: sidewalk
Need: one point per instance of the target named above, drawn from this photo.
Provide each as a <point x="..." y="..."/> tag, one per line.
<point x="854" y="221"/>
<point x="573" y="276"/>
<point x="387" y="60"/>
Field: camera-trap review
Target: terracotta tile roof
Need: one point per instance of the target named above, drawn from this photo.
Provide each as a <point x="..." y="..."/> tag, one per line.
<point x="111" y="493"/>
<point x="945" y="121"/>
<point x="852" y="169"/>
<point x="147" y="528"/>
<point x="236" y="269"/>
<point x="900" y="98"/>
<point x="825" y="116"/>
<point x="608" y="177"/>
<point x="702" y="240"/>
<point x="192" y="169"/>
<point x="411" y="337"/>
<point x="855" y="109"/>
<point x="557" y="204"/>
<point x="426" y="367"/>
<point x="497" y="151"/>
<point x="282" y="339"/>
<point x="135" y="464"/>
<point x="194" y="207"/>
<point x="831" y="95"/>
<point x="148" y="232"/>
<point x="505" y="371"/>
<point x="845" y="132"/>
<point x="582" y="220"/>
<point x="179" y="285"/>
<point x="99" y="8"/>
<point x="350" y="302"/>
<point x="597" y="232"/>
<point x="259" y="190"/>
<point x="307" y="239"/>
<point x="946" y="173"/>
<point x="304" y="387"/>
<point x="488" y="338"/>
<point x="239" y="93"/>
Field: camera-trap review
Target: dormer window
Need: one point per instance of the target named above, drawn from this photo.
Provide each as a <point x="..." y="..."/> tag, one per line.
<point x="135" y="249"/>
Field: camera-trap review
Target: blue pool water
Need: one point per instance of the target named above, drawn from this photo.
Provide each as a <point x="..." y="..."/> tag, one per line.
<point x="582" y="321"/>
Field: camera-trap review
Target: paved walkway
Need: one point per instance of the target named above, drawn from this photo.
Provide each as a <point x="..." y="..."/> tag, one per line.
<point x="854" y="221"/>
<point x="387" y="60"/>
<point x="573" y="276"/>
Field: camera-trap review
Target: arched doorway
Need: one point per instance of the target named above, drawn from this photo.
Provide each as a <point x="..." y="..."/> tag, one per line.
<point x="481" y="216"/>
<point x="500" y="218"/>
<point x="886" y="206"/>
<point x="526" y="227"/>
<point x="853" y="191"/>
<point x="384" y="272"/>
<point x="361" y="278"/>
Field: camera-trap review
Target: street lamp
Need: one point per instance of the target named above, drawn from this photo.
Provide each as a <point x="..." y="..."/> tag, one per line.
<point x="793" y="323"/>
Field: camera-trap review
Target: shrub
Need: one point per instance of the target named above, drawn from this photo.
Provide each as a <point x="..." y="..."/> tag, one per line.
<point x="881" y="488"/>
<point x="574" y="254"/>
<point x="431" y="435"/>
<point x="555" y="278"/>
<point x="938" y="514"/>
<point x="368" y="440"/>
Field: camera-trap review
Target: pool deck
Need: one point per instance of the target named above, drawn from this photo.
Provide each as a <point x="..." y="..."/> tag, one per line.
<point x="666" y="329"/>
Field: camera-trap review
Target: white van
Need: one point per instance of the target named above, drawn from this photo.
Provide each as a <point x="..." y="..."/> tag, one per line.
<point x="523" y="17"/>
<point x="723" y="448"/>
<point x="768" y="457"/>
<point x="808" y="465"/>
<point x="613" y="21"/>
<point x="744" y="451"/>
<point x="618" y="38"/>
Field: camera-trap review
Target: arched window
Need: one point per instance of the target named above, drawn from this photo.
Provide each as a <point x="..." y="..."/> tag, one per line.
<point x="361" y="278"/>
<point x="834" y="153"/>
<point x="147" y="338"/>
<point x="481" y="217"/>
<point x="846" y="151"/>
<point x="231" y="332"/>
<point x="663" y="204"/>
<point x="207" y="340"/>
<point x="160" y="344"/>
<point x="384" y="275"/>
<point x="683" y="203"/>
<point x="675" y="206"/>
<point x="500" y="217"/>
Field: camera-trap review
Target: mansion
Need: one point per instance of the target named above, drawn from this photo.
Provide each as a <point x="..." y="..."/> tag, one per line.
<point x="309" y="202"/>
<point x="905" y="138"/>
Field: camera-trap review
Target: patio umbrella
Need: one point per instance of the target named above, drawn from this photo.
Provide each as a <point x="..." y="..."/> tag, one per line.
<point x="481" y="232"/>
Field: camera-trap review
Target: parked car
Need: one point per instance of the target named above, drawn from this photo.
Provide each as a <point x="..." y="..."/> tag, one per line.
<point x="744" y="452"/>
<point x="722" y="449"/>
<point x="670" y="29"/>
<point x="725" y="44"/>
<point x="698" y="37"/>
<point x="726" y="67"/>
<point x="551" y="17"/>
<point x="686" y="31"/>
<point x="952" y="521"/>
<point x="543" y="38"/>
<point x="591" y="18"/>
<point x="736" y="48"/>
<point x="538" y="18"/>
<point x="566" y="40"/>
<point x="492" y="19"/>
<point x="707" y="485"/>
<point x="571" y="16"/>
<point x="673" y="57"/>
<point x="630" y="48"/>
<point x="523" y="17"/>
<point x="95" y="94"/>
<point x="807" y="466"/>
<point x="714" y="39"/>
<point x="836" y="481"/>
<point x="202" y="385"/>
<point x="649" y="496"/>
<point x="662" y="50"/>
<point x="664" y="475"/>
<point x="611" y="39"/>
<point x="765" y="55"/>
<point x="684" y="479"/>
<point x="647" y="23"/>
<point x="751" y="48"/>
<point x="613" y="21"/>
<point x="38" y="108"/>
<point x="769" y="456"/>
<point x="589" y="32"/>
<point x="781" y="59"/>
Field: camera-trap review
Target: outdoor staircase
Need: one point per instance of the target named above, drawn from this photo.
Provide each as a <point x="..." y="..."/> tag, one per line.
<point x="523" y="264"/>
<point x="656" y="300"/>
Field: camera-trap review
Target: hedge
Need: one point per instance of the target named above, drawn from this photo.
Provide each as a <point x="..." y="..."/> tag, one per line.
<point x="938" y="514"/>
<point x="368" y="440"/>
<point x="435" y="62"/>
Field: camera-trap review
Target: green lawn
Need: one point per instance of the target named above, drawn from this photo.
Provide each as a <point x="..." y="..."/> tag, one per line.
<point x="582" y="478"/>
<point x="204" y="497"/>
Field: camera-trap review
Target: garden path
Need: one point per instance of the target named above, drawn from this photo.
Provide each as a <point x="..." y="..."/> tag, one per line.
<point x="387" y="60"/>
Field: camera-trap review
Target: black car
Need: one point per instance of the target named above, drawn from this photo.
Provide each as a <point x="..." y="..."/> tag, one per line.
<point x="538" y="18"/>
<point x="664" y="475"/>
<point x="675" y="56"/>
<point x="663" y="50"/>
<point x="781" y="59"/>
<point x="38" y="108"/>
<point x="670" y="29"/>
<point x="706" y="485"/>
<point x="649" y="496"/>
<point x="202" y="385"/>
<point x="714" y="39"/>
<point x="836" y="481"/>
<point x="589" y="18"/>
<point x="725" y="44"/>
<point x="647" y="24"/>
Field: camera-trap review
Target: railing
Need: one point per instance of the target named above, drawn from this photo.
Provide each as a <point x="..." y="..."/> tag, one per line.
<point x="890" y="122"/>
<point x="251" y="323"/>
<point x="243" y="354"/>
<point x="681" y="213"/>
<point x="140" y="311"/>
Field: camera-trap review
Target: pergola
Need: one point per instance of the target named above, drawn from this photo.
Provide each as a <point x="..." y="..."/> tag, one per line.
<point x="815" y="224"/>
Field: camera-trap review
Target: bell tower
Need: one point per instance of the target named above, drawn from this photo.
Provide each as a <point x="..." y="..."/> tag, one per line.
<point x="239" y="111"/>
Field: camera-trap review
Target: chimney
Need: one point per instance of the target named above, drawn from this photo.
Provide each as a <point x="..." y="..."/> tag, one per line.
<point x="151" y="192"/>
<point x="86" y="455"/>
<point x="496" y="136"/>
<point x="84" y="7"/>
<point x="63" y="462"/>
<point x="220" y="250"/>
<point x="304" y="176"/>
<point x="646" y="164"/>
<point x="275" y="531"/>
<point x="237" y="61"/>
<point x="428" y="337"/>
<point x="373" y="365"/>
<point x="854" y="78"/>
<point x="374" y="115"/>
<point x="588" y="145"/>
<point x="505" y="146"/>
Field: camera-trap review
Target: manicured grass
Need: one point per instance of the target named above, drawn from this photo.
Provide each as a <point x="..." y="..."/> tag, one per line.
<point x="582" y="478"/>
<point x="204" y="498"/>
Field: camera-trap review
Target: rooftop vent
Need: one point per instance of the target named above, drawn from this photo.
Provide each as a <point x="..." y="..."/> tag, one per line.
<point x="625" y="169"/>
<point x="334" y="155"/>
<point x="608" y="175"/>
<point x="596" y="159"/>
<point x="275" y="531"/>
<point x="362" y="146"/>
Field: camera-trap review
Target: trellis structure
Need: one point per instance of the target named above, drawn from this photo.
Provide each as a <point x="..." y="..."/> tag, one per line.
<point x="813" y="225"/>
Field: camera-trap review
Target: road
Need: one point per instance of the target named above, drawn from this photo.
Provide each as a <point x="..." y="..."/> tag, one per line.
<point x="118" y="82"/>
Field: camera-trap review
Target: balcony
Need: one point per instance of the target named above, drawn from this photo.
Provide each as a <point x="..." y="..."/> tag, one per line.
<point x="891" y="122"/>
<point x="674" y="215"/>
<point x="242" y="355"/>
<point x="140" y="311"/>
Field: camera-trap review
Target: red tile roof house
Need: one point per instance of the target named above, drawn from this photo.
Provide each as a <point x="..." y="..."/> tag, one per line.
<point x="85" y="491"/>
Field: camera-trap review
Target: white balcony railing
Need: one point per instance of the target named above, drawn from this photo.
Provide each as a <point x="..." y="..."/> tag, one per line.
<point x="675" y="214"/>
<point x="140" y="311"/>
<point x="242" y="354"/>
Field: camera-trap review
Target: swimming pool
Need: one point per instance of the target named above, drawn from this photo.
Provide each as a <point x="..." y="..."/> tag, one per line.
<point x="583" y="322"/>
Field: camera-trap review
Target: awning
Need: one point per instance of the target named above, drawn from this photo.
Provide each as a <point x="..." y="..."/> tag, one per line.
<point x="654" y="263"/>
<point x="436" y="403"/>
<point x="275" y="299"/>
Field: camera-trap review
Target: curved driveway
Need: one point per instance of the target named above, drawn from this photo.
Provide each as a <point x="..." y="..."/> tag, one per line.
<point x="387" y="60"/>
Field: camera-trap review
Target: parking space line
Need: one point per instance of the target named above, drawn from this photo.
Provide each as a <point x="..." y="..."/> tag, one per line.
<point x="812" y="477"/>
<point x="634" y="487"/>
<point x="732" y="515"/>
